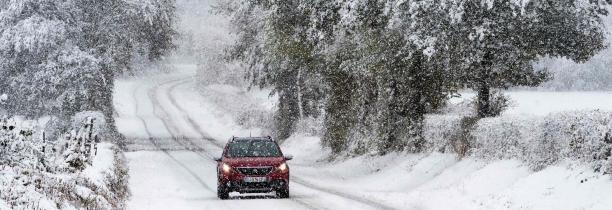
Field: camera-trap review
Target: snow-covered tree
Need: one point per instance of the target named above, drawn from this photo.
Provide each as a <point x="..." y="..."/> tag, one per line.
<point x="273" y="41"/>
<point x="61" y="57"/>
<point x="383" y="64"/>
<point x="501" y="39"/>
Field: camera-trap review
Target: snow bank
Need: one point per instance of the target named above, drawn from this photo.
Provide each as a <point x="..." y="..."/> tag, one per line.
<point x="421" y="181"/>
<point x="305" y="148"/>
<point x="102" y="163"/>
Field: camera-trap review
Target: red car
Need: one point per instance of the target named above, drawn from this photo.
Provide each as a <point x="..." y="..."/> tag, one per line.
<point x="252" y="165"/>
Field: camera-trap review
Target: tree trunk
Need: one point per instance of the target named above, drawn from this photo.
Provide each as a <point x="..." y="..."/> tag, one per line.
<point x="484" y="103"/>
<point x="396" y="119"/>
<point x="416" y="121"/>
<point x="417" y="103"/>
<point x="299" y="93"/>
<point x="484" y="86"/>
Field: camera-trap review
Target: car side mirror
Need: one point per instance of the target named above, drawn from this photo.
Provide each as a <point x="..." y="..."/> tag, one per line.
<point x="218" y="159"/>
<point x="288" y="157"/>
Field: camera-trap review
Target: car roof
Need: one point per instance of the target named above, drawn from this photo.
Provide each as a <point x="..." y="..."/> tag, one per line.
<point x="267" y="138"/>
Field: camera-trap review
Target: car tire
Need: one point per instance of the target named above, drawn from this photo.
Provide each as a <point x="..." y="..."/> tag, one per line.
<point x="222" y="192"/>
<point x="284" y="193"/>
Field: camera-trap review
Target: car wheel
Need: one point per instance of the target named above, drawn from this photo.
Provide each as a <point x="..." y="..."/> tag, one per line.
<point x="222" y="192"/>
<point x="284" y="193"/>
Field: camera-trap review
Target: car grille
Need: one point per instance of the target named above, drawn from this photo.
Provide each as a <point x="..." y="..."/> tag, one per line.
<point x="255" y="171"/>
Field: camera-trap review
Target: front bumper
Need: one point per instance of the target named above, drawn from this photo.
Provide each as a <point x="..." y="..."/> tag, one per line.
<point x="234" y="182"/>
<point x="256" y="187"/>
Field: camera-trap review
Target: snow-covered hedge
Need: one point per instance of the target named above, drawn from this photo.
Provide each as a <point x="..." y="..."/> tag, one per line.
<point x="439" y="131"/>
<point x="37" y="174"/>
<point x="584" y="136"/>
<point x="538" y="140"/>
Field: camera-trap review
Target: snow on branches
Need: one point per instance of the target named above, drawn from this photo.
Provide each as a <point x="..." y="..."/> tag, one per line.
<point x="60" y="57"/>
<point x="39" y="173"/>
<point x="376" y="67"/>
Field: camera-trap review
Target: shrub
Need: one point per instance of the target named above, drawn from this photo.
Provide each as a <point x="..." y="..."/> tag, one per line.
<point x="542" y="141"/>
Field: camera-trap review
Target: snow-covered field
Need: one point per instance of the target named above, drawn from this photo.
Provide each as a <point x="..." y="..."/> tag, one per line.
<point x="545" y="102"/>
<point x="176" y="130"/>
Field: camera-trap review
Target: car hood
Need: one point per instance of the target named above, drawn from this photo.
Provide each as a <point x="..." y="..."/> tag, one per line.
<point x="254" y="161"/>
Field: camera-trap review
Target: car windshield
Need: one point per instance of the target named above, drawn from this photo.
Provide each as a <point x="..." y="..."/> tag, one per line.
<point x="253" y="148"/>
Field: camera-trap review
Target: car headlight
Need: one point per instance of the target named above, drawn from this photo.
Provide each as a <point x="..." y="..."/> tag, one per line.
<point x="283" y="167"/>
<point x="226" y="168"/>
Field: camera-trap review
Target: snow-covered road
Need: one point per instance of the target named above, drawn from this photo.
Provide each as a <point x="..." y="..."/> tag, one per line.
<point x="173" y="138"/>
<point x="175" y="130"/>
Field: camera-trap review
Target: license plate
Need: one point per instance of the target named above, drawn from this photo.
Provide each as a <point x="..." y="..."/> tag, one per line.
<point x="255" y="179"/>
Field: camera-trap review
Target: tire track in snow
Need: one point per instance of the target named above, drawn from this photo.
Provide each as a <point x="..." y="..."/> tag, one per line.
<point x="369" y="202"/>
<point x="174" y="130"/>
<point x="198" y="129"/>
<point x="190" y="120"/>
<point x="195" y="126"/>
<point x="165" y="151"/>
